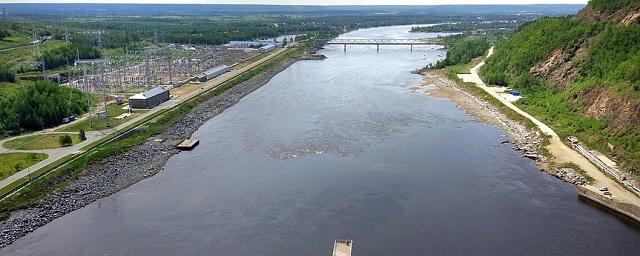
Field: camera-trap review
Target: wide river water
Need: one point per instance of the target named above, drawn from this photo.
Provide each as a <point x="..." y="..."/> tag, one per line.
<point x="342" y="149"/>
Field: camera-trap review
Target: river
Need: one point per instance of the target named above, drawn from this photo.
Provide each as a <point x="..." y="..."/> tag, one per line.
<point x="342" y="149"/>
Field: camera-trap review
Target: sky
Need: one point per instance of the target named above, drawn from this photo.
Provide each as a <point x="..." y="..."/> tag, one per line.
<point x="312" y="2"/>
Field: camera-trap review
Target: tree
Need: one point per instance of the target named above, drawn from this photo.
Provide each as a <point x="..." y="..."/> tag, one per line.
<point x="7" y="76"/>
<point x="17" y="167"/>
<point x="4" y="33"/>
<point x="65" y="141"/>
<point x="44" y="103"/>
<point x="82" y="135"/>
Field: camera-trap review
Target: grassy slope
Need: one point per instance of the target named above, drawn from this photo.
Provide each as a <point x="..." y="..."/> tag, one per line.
<point x="9" y="161"/>
<point x="9" y="59"/>
<point x="40" y="141"/>
<point x="14" y="39"/>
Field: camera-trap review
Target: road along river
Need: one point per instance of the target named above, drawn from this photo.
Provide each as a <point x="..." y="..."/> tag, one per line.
<point x="342" y="149"/>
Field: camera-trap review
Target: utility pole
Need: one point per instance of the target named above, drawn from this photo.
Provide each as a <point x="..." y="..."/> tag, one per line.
<point x="99" y="39"/>
<point x="126" y="58"/>
<point x="86" y="88"/>
<point x="36" y="52"/>
<point x="170" y="63"/>
<point x="104" y="94"/>
<point x="147" y="75"/>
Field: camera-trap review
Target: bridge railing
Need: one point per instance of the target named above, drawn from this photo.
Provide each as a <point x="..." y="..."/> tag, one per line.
<point x="379" y="41"/>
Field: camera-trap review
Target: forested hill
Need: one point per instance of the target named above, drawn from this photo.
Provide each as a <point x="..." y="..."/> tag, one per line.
<point x="580" y="74"/>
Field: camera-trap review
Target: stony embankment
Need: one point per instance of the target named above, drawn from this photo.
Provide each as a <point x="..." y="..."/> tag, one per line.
<point x="122" y="170"/>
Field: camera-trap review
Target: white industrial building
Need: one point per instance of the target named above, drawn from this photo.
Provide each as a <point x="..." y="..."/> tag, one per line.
<point x="213" y="73"/>
<point x="267" y="48"/>
<point x="150" y="98"/>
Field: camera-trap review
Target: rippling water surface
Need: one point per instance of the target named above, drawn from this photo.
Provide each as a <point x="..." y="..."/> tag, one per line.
<point x="338" y="149"/>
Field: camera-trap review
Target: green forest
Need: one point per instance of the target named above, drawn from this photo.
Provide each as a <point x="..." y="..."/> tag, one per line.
<point x="66" y="54"/>
<point x="465" y="51"/>
<point x="37" y="105"/>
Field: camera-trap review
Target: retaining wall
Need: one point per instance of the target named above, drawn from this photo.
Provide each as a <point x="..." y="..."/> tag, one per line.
<point x="593" y="194"/>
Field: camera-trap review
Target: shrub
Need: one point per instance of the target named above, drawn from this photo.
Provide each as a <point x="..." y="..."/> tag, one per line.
<point x="65" y="141"/>
<point x="7" y="76"/>
<point x="82" y="135"/>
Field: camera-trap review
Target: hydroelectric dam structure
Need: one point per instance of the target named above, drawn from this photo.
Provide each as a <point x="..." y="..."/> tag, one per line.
<point x="378" y="42"/>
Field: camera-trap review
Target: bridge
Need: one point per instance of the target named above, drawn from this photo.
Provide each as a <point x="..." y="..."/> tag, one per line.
<point x="378" y="42"/>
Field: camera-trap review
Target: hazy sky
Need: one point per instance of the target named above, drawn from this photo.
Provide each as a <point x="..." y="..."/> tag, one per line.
<point x="314" y="2"/>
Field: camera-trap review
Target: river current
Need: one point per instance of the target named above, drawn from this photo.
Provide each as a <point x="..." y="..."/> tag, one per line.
<point x="342" y="149"/>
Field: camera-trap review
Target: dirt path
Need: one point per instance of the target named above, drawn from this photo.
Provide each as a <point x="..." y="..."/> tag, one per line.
<point x="561" y="153"/>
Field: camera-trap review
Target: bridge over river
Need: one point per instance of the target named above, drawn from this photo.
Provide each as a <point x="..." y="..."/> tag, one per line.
<point x="378" y="42"/>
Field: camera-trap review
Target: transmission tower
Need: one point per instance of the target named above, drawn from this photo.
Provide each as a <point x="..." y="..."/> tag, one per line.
<point x="36" y="52"/>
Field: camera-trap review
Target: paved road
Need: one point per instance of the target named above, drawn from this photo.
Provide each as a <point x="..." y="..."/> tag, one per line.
<point x="92" y="136"/>
<point x="561" y="152"/>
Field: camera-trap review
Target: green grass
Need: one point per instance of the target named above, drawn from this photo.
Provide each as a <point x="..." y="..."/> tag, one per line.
<point x="10" y="161"/>
<point x="39" y="141"/>
<point x="71" y="167"/>
<point x="10" y="58"/>
<point x="14" y="40"/>
<point x="99" y="123"/>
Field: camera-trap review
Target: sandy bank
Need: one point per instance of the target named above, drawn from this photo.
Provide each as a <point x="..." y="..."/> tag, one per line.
<point x="523" y="139"/>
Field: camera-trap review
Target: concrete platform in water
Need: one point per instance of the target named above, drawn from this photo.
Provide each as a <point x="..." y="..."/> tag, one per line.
<point x="342" y="247"/>
<point x="188" y="144"/>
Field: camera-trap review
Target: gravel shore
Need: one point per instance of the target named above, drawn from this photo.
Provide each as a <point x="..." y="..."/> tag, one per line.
<point x="524" y="139"/>
<point x="528" y="141"/>
<point x="122" y="170"/>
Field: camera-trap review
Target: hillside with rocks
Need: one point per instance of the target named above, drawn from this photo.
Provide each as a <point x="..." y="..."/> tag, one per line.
<point x="581" y="75"/>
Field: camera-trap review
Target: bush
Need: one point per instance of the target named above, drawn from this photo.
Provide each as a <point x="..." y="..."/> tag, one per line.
<point x="7" y="76"/>
<point x="82" y="135"/>
<point x="4" y="33"/>
<point x="65" y="141"/>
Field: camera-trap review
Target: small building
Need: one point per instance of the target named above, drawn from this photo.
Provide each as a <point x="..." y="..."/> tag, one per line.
<point x="214" y="72"/>
<point x="101" y="114"/>
<point x="149" y="99"/>
<point x="267" y="48"/>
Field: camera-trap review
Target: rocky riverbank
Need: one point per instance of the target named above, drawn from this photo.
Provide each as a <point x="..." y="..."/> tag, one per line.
<point x="122" y="170"/>
<point x="528" y="141"/>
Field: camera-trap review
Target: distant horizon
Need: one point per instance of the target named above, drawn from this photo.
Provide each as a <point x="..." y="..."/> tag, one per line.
<point x="307" y="2"/>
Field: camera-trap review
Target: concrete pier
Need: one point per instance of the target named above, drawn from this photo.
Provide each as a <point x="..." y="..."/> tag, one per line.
<point x="342" y="247"/>
<point x="187" y="144"/>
